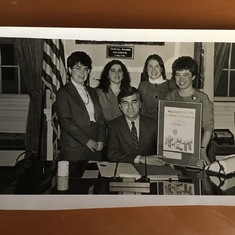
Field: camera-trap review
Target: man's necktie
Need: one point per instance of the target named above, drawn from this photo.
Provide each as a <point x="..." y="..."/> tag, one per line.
<point x="134" y="135"/>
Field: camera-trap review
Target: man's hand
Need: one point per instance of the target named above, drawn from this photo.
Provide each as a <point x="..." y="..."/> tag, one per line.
<point x="152" y="160"/>
<point x="92" y="145"/>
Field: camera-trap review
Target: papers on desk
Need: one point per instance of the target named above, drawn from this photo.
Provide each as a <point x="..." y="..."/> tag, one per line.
<point x="90" y="174"/>
<point x="158" y="173"/>
<point x="126" y="170"/>
<point x="91" y="171"/>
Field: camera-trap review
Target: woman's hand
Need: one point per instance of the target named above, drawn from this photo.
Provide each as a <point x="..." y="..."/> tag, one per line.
<point x="92" y="145"/>
<point x="204" y="161"/>
<point x="100" y="146"/>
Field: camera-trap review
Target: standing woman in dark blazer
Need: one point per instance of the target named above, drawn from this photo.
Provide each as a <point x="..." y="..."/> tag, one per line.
<point x="79" y="113"/>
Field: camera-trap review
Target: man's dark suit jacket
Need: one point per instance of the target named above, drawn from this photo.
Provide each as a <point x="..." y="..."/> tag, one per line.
<point x="120" y="145"/>
<point x="76" y="128"/>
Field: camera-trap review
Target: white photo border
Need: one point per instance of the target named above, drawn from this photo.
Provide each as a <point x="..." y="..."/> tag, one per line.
<point x="60" y="202"/>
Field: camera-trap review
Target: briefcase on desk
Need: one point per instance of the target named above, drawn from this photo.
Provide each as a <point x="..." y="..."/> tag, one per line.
<point x="223" y="182"/>
<point x="224" y="167"/>
<point x="223" y="136"/>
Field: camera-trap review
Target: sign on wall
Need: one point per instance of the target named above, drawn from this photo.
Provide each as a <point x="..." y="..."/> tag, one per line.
<point x="124" y="52"/>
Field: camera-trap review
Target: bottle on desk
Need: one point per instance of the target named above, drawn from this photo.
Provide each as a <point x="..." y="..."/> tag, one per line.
<point x="63" y="175"/>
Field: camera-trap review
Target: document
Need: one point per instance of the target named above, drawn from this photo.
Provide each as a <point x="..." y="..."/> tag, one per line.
<point x="157" y="173"/>
<point x="90" y="174"/>
<point x="107" y="169"/>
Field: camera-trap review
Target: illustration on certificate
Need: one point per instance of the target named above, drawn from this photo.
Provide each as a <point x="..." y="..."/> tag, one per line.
<point x="179" y="131"/>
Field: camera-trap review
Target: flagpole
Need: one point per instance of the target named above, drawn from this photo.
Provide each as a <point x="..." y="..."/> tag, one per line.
<point x="41" y="126"/>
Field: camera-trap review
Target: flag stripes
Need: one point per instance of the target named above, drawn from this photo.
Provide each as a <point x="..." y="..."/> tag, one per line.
<point x="54" y="76"/>
<point x="199" y="57"/>
<point x="201" y="67"/>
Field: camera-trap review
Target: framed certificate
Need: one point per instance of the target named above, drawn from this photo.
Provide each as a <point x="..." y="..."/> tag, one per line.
<point x="179" y="132"/>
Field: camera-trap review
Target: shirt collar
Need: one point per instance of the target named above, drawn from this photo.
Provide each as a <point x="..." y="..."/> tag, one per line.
<point x="77" y="85"/>
<point x="159" y="80"/>
<point x="137" y="120"/>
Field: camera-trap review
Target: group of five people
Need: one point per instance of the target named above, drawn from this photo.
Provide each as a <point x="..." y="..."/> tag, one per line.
<point x="117" y="121"/>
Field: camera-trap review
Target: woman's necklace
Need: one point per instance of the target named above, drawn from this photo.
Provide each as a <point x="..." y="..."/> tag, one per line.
<point x="115" y="92"/>
<point x="87" y="97"/>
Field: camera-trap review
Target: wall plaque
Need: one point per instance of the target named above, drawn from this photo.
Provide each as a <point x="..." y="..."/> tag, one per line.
<point x="124" y="52"/>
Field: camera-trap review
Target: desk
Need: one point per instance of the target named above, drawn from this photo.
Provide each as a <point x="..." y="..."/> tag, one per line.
<point x="190" y="182"/>
<point x="203" y="184"/>
<point x="171" y="219"/>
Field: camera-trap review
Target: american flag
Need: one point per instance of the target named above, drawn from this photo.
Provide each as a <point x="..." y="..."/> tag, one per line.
<point x="199" y="57"/>
<point x="54" y="76"/>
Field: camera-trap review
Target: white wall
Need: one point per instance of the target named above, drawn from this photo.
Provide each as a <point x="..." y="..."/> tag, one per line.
<point x="169" y="52"/>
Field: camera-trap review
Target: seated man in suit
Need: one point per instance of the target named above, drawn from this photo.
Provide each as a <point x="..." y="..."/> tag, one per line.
<point x="132" y="136"/>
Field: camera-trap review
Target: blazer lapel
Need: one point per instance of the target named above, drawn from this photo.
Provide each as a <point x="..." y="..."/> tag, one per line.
<point x="74" y="93"/>
<point x="77" y="99"/>
<point x="141" y="133"/>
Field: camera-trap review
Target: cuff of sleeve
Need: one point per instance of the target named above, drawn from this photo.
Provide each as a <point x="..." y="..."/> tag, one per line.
<point x="137" y="159"/>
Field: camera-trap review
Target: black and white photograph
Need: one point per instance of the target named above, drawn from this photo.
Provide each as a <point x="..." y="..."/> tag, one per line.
<point x="80" y="116"/>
